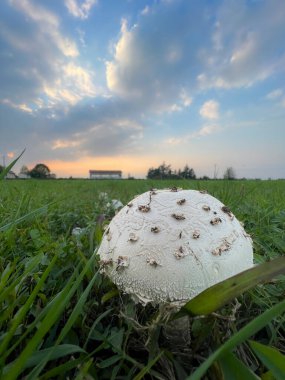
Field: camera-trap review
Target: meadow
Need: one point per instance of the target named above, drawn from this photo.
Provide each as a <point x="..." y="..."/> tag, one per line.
<point x="60" y="318"/>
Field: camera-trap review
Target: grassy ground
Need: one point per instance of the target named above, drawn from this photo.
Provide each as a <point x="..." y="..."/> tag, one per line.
<point x="60" y="319"/>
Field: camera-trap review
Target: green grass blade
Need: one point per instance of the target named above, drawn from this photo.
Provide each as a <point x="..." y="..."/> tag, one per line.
<point x="6" y="275"/>
<point x="41" y="316"/>
<point x="103" y="315"/>
<point x="247" y="331"/>
<point x="109" y="295"/>
<point x="30" y="266"/>
<point x="110" y="361"/>
<point x="23" y="311"/>
<point x="77" y="310"/>
<point x="62" y="369"/>
<point x="30" y="215"/>
<point x="271" y="358"/>
<point x="49" y="320"/>
<point x="68" y="325"/>
<point x="52" y="353"/>
<point x="234" y="369"/>
<point x="45" y="325"/>
<point x="9" y="167"/>
<point x="217" y="295"/>
<point x="148" y="367"/>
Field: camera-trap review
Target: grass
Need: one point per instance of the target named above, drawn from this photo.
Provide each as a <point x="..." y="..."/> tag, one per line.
<point x="59" y="318"/>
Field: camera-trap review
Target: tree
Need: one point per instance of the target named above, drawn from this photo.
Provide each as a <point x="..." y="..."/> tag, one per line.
<point x="24" y="170"/>
<point x="1" y="168"/>
<point x="40" y="171"/>
<point x="165" y="170"/>
<point x="230" y="173"/>
<point x="162" y="172"/>
<point x="188" y="173"/>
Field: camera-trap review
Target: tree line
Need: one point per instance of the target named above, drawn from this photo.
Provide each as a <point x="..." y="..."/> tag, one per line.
<point x="40" y="171"/>
<point x="164" y="171"/>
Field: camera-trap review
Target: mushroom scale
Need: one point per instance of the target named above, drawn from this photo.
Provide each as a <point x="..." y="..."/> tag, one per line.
<point x="176" y="249"/>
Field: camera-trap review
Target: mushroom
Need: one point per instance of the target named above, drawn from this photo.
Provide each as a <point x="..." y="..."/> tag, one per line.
<point x="191" y="252"/>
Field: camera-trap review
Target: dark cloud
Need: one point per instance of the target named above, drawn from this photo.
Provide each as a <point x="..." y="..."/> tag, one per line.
<point x="106" y="129"/>
<point x="23" y="63"/>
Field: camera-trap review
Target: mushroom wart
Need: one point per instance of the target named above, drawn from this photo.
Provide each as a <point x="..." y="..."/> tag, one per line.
<point x="193" y="250"/>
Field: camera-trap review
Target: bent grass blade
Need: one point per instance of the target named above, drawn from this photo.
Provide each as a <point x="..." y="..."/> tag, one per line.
<point x="9" y="167"/>
<point x="218" y="295"/>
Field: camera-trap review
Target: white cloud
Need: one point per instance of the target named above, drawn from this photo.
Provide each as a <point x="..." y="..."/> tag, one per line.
<point x="25" y="108"/>
<point x="183" y="101"/>
<point x="80" y="10"/>
<point x="246" y="45"/>
<point x="22" y="107"/>
<point x="72" y="84"/>
<point x="243" y="46"/>
<point x="210" y="110"/>
<point x="48" y="70"/>
<point x="275" y="94"/>
<point x="146" y="10"/>
<point x="185" y="98"/>
<point x="62" y="144"/>
<point x="151" y="67"/>
<point x="48" y="24"/>
<point x="206" y="130"/>
<point x="174" y="141"/>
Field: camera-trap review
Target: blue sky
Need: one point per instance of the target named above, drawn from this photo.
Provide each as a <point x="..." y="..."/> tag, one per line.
<point x="113" y="84"/>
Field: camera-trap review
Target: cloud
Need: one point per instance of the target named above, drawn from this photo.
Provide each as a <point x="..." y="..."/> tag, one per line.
<point x="40" y="74"/>
<point x="183" y="101"/>
<point x="72" y="84"/>
<point x="174" y="141"/>
<point x="204" y="131"/>
<point x="146" y="10"/>
<point x="81" y="11"/>
<point x="62" y="144"/>
<point x="185" y="98"/>
<point x="247" y="45"/>
<point x="107" y="128"/>
<point x="210" y="110"/>
<point x="22" y="107"/>
<point x="48" y="24"/>
<point x="155" y="61"/>
<point x="275" y="94"/>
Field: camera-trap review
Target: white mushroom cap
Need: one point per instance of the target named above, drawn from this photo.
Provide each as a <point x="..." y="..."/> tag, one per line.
<point x="170" y="245"/>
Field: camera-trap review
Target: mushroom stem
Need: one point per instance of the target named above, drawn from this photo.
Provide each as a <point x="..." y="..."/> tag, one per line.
<point x="178" y="335"/>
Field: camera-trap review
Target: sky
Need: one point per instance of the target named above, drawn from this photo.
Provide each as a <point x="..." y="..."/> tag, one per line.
<point x="130" y="84"/>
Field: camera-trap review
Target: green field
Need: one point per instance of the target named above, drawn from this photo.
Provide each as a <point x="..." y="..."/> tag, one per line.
<point x="60" y="318"/>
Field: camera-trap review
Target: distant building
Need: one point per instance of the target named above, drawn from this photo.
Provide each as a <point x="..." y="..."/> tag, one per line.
<point x="105" y="174"/>
<point x="11" y="175"/>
